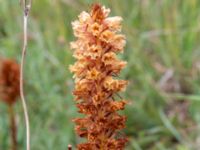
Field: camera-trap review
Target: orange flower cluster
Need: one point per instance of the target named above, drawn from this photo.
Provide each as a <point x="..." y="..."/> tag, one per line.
<point x="98" y="41"/>
<point x="9" y="81"/>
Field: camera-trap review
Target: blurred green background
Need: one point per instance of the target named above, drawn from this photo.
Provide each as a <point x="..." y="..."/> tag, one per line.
<point x="163" y="55"/>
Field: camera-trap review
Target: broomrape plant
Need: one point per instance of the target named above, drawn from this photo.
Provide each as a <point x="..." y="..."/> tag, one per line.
<point x="98" y="42"/>
<point x="9" y="92"/>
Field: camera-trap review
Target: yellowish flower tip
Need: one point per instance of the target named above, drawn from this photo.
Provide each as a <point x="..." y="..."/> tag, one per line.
<point x="95" y="71"/>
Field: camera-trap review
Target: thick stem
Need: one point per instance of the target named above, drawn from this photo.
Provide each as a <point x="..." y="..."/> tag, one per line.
<point x="13" y="127"/>
<point x="69" y="147"/>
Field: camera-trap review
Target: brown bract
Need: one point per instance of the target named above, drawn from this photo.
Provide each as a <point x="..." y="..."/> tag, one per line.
<point x="9" y="81"/>
<point x="98" y="42"/>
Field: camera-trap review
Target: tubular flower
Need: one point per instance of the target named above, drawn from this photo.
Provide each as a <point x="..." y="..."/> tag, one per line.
<point x="9" y="81"/>
<point x="98" y="42"/>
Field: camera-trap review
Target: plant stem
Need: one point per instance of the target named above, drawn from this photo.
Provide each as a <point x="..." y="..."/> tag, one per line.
<point x="13" y="127"/>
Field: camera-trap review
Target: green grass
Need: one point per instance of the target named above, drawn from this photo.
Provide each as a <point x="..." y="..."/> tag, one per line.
<point x="162" y="32"/>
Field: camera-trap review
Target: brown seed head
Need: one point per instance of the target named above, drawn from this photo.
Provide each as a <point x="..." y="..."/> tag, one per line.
<point x="9" y="81"/>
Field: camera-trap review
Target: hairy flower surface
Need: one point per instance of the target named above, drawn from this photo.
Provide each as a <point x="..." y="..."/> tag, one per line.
<point x="9" y="81"/>
<point x="98" y="42"/>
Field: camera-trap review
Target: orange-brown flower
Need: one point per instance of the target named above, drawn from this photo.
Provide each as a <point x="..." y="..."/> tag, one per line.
<point x="98" y="42"/>
<point x="9" y="81"/>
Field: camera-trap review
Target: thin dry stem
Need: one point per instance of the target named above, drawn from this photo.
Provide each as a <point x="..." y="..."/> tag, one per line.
<point x="26" y="6"/>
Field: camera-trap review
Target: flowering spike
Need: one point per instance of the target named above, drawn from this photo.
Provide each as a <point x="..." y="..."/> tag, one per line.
<point x="96" y="46"/>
